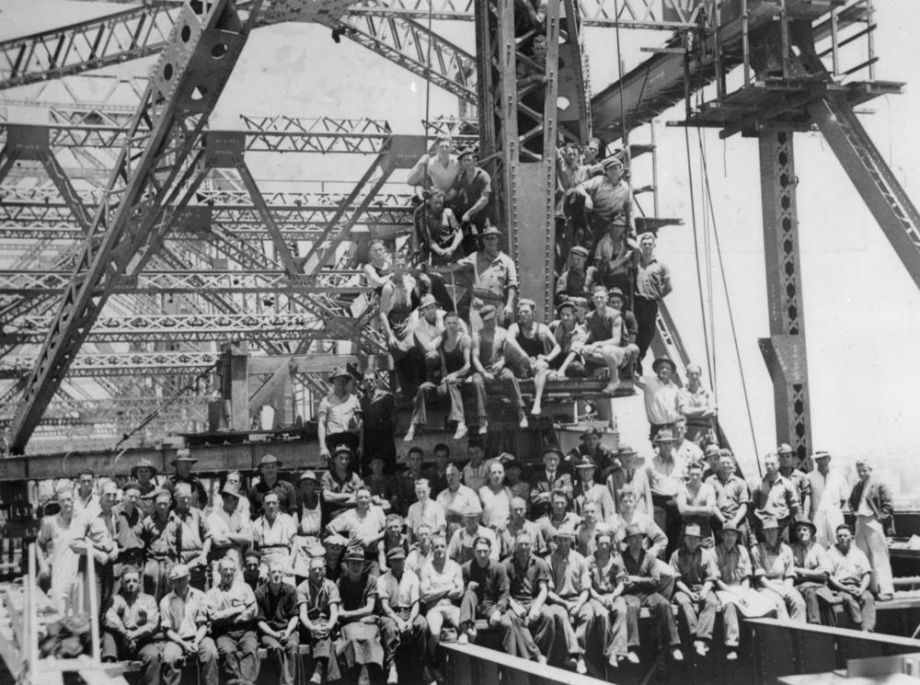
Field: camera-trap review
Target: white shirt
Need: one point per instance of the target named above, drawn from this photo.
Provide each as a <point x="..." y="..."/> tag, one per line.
<point x="402" y="593"/>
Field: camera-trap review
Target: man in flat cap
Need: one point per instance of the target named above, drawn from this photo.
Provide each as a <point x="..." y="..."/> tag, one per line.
<point x="577" y="280"/>
<point x="401" y="624"/>
<point x="231" y="531"/>
<point x="494" y="276"/>
<point x="278" y="617"/>
<point x="789" y="469"/>
<point x="270" y="481"/>
<point x="158" y="534"/>
<point x="184" y="619"/>
<point x="470" y="197"/>
<point x="183" y="465"/>
<point x="608" y="199"/>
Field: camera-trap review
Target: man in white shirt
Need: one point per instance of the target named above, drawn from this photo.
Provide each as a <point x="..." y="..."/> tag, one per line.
<point x="441" y="584"/>
<point x="456" y="498"/>
<point x="400" y="621"/>
<point x="661" y="396"/>
<point x="425" y="510"/>
<point x="829" y="491"/>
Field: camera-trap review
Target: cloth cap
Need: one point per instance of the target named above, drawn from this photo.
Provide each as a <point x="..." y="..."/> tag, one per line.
<point x="143" y="464"/>
<point x="770" y="523"/>
<point x="579" y="250"/>
<point x="730" y="526"/>
<point x="634" y="529"/>
<point x="616" y="292"/>
<point x="552" y="450"/>
<point x="612" y="161"/>
<point x="713" y="450"/>
<point x="308" y="475"/>
<point x="342" y="449"/>
<point x="565" y="531"/>
<point x="585" y="462"/>
<point x="807" y="523"/>
<point x="354" y="555"/>
<point x="565" y="304"/>
<point x="593" y="431"/>
<point x="625" y="449"/>
<point x="692" y="529"/>
<point x="396" y="553"/>
<point x="339" y="372"/>
<point x="490" y="230"/>
<point x="179" y="571"/>
<point x="230" y="489"/>
<point x="784" y="448"/>
<point x="269" y="459"/>
<point x="469" y="150"/>
<point x="427" y="301"/>
<point x="184" y="455"/>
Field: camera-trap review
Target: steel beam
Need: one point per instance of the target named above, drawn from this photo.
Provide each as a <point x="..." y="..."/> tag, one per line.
<point x="874" y="181"/>
<point x="118" y="364"/>
<point x="784" y="351"/>
<point x="151" y="172"/>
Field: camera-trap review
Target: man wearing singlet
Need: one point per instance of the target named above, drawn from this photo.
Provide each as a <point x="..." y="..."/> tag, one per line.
<point x="489" y="346"/>
<point x="438" y="171"/>
<point x="539" y="346"/>
<point x="605" y="333"/>
<point x="454" y="353"/>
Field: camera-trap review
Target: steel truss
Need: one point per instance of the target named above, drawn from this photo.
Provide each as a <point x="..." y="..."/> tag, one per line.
<point x="93" y="365"/>
<point x="153" y="167"/>
<point x="389" y="28"/>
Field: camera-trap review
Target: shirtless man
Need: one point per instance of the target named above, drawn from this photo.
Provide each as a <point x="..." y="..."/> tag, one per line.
<point x="605" y="332"/>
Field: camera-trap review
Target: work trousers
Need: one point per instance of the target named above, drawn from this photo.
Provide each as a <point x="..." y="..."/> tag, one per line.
<point x="516" y="638"/>
<point x="174" y="659"/>
<point x="156" y="582"/>
<point x="817" y="597"/>
<point x="788" y="603"/>
<point x="416" y="637"/>
<point x="660" y="610"/>
<point x="149" y="654"/>
<point x="283" y="656"/>
<point x="239" y="656"/>
<point x="861" y="609"/>
<point x="323" y="652"/>
<point x="616" y="639"/>
<point x="698" y="616"/>
<point x="420" y="410"/>
<point x="870" y="538"/>
<point x="646" y="311"/>
<point x="105" y="583"/>
<point x="479" y="390"/>
<point x="553" y="634"/>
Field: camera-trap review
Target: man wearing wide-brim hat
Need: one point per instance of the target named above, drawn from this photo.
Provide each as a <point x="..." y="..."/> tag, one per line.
<point x="774" y="573"/>
<point x="555" y="476"/>
<point x="811" y="564"/>
<point x="339" y="416"/>
<point x="270" y="481"/>
<point x="627" y="472"/>
<point x="661" y="395"/>
<point x="494" y="276"/>
<point x="144" y="472"/>
<point x="183" y="464"/>
<point x="591" y="445"/>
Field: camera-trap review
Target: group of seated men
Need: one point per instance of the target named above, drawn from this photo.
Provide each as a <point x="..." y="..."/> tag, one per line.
<point x="558" y="564"/>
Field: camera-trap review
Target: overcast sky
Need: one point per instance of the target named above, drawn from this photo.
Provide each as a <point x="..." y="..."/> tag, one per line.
<point x="862" y="311"/>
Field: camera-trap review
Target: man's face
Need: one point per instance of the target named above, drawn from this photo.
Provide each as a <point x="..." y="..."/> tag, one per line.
<point x="394" y="528"/>
<point x="581" y="313"/>
<point x="586" y="474"/>
<point x="162" y="506"/>
<point x="180" y="585"/>
<point x="467" y="162"/>
<point x="680" y="428"/>
<point x="614" y="173"/>
<point x="615" y="302"/>
<point x="251" y="566"/>
<point x="270" y="503"/>
<point x="442" y="459"/>
<point x="227" y="571"/>
<point x="131" y="582"/>
<point x="482" y="554"/>
<point x="518" y="509"/>
<point x="559" y="505"/>
<point x="693" y="376"/>
<point x="647" y="244"/>
<point x="567" y="317"/>
<point x="452" y="324"/>
<point x="86" y="485"/>
<point x="577" y="261"/>
<point x="317" y="573"/>
<point x="771" y="536"/>
<point x="496" y="474"/>
<point x="628" y="500"/>
<point x="539" y="49"/>
<point x="634" y="542"/>
<point x="308" y="486"/>
<point x="600" y="300"/>
<point x="695" y="473"/>
<point x="726" y="466"/>
<point x="439" y="548"/>
<point x="414" y="460"/>
<point x="592" y="441"/>
<point x="363" y="500"/>
<point x="665" y="447"/>
<point x="342" y="460"/>
<point x="378" y="252"/>
<point x="563" y="543"/>
<point x="444" y="148"/>
<point x="525" y="315"/>
<point x="664" y="372"/>
<point x="183" y="500"/>
<point x="787" y="460"/>
<point x="230" y="502"/>
<point x="476" y="454"/>
<point x="471" y="521"/>
<point x="424" y="535"/>
<point x="276" y="575"/>
<point x="863" y="471"/>
<point x="571" y="154"/>
<point x="490" y="243"/>
<point x="340" y="384"/>
<point x="453" y="479"/>
<point x="591" y="151"/>
<point x="522" y="546"/>
<point x="771" y="464"/>
<point x="270" y="472"/>
<point x="183" y="469"/>
<point x="590" y="512"/>
<point x="430" y="313"/>
<point x="844" y="540"/>
<point x="551" y="461"/>
<point x="369" y="382"/>
<point x="803" y="534"/>
<point x="353" y="568"/>
<point x="131" y="498"/>
<point x="730" y="538"/>
<point x="144" y="474"/>
<point x="603" y="543"/>
<point x="692" y="542"/>
<point x="421" y="491"/>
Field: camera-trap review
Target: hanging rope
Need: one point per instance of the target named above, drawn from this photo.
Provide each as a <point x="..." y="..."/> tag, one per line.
<point x="728" y="302"/>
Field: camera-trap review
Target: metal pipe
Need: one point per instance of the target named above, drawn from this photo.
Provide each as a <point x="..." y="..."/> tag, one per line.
<point x="835" y="60"/>
<point x="870" y="22"/>
<point x="745" y="42"/>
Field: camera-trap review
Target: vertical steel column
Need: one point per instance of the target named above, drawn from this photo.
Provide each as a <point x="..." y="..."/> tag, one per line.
<point x="784" y="350"/>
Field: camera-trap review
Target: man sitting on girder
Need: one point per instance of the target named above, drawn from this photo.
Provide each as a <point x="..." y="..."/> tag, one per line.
<point x="438" y="171"/>
<point x="490" y="347"/>
<point x="605" y="334"/>
<point x="577" y="280"/>
<point x="539" y="346"/>
<point x="600" y="201"/>
<point x="470" y="198"/>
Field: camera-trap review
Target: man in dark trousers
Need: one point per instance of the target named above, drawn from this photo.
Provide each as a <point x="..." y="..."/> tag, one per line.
<point x="486" y="596"/>
<point x="653" y="284"/>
